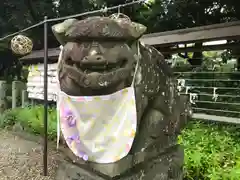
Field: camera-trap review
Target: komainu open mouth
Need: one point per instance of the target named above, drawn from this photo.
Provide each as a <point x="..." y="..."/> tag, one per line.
<point x="102" y="68"/>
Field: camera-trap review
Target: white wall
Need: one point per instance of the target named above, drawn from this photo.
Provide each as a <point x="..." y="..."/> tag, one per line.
<point x="35" y="82"/>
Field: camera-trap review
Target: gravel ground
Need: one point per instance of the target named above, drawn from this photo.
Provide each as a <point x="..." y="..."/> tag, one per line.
<point x="22" y="160"/>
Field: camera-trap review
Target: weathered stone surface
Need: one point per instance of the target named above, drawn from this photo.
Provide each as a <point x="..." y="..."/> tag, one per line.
<point x="165" y="166"/>
<point x="69" y="171"/>
<point x="88" y="64"/>
<point x="158" y="147"/>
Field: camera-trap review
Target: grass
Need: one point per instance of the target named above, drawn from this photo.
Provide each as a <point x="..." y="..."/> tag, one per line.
<point x="31" y="119"/>
<point x="212" y="151"/>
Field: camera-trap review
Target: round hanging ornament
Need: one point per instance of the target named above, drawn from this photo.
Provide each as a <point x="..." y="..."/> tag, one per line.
<point x="21" y="45"/>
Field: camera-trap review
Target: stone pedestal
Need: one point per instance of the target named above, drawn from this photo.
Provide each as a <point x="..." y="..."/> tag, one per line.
<point x="166" y="166"/>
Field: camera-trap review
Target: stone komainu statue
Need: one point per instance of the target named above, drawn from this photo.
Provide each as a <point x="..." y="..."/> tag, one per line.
<point x="99" y="58"/>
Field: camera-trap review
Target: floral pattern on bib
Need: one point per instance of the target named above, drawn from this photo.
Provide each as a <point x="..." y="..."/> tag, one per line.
<point x="101" y="128"/>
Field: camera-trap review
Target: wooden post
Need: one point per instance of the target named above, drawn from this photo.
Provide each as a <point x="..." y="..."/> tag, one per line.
<point x="3" y="98"/>
<point x="24" y="98"/>
<point x="14" y="94"/>
<point x="17" y="87"/>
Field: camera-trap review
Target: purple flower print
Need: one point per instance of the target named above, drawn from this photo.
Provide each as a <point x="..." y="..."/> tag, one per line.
<point x="71" y="121"/>
<point x="70" y="139"/>
<point x="83" y="155"/>
<point x="76" y="138"/>
<point x="70" y="118"/>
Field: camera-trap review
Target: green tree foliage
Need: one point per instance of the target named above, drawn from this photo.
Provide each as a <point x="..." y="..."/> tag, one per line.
<point x="157" y="15"/>
<point x="177" y="14"/>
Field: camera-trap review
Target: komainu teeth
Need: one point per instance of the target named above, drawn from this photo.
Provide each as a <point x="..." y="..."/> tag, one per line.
<point x="100" y="68"/>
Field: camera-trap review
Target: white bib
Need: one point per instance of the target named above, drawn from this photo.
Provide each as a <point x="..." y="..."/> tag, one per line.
<point x="100" y="129"/>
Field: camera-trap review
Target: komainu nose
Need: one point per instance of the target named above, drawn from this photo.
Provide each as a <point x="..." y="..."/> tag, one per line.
<point x="93" y="59"/>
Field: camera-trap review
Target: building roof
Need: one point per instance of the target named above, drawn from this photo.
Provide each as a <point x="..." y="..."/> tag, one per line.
<point x="221" y="31"/>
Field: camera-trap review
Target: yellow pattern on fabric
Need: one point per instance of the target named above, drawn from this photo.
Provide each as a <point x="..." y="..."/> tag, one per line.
<point x="121" y="150"/>
<point x="116" y="158"/>
<point x="129" y="133"/>
<point x="98" y="147"/>
<point x="125" y="133"/>
<point x="109" y="126"/>
<point x="97" y="98"/>
<point x="132" y="102"/>
<point x="124" y="91"/>
<point x="133" y="133"/>
<point x="67" y="101"/>
<point x="74" y="147"/>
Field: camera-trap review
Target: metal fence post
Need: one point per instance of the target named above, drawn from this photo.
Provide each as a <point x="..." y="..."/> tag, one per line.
<point x="45" y="152"/>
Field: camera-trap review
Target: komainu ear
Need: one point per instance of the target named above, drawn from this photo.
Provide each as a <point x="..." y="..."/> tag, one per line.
<point x="138" y="29"/>
<point x="135" y="30"/>
<point x="60" y="29"/>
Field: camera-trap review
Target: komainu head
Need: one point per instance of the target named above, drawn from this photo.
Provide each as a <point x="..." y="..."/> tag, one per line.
<point x="99" y="54"/>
